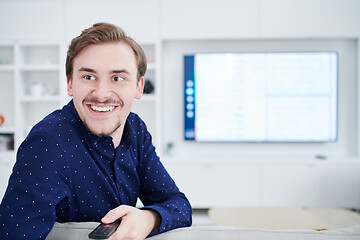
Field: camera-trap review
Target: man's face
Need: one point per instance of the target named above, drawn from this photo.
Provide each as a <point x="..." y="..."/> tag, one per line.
<point x="104" y="85"/>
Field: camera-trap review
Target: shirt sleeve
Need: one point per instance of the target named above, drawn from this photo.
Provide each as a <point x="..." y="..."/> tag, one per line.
<point x="37" y="188"/>
<point x="159" y="192"/>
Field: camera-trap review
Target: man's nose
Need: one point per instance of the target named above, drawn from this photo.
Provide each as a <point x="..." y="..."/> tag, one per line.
<point x="102" y="90"/>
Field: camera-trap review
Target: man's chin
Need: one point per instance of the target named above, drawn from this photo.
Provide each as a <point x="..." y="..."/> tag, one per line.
<point x="100" y="131"/>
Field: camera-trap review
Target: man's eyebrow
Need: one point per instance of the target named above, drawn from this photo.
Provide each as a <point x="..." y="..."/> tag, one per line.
<point x="85" y="69"/>
<point x="120" y="71"/>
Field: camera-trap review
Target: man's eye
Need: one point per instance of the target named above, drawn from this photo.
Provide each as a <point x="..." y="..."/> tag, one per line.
<point x="118" y="79"/>
<point x="88" y="77"/>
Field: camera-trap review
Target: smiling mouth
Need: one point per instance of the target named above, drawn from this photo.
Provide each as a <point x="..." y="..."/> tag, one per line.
<point x="102" y="109"/>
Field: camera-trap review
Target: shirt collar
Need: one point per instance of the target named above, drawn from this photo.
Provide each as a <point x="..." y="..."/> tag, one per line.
<point x="128" y="136"/>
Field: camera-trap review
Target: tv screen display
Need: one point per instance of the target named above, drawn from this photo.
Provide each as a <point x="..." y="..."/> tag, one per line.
<point x="261" y="97"/>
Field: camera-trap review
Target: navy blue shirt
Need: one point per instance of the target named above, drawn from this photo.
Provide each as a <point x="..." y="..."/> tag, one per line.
<point x="64" y="173"/>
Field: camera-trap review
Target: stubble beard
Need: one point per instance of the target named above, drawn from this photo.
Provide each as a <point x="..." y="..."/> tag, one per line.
<point x="103" y="134"/>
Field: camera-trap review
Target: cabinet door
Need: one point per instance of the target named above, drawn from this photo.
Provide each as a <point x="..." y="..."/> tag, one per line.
<point x="217" y="185"/>
<point x="189" y="19"/>
<point x="140" y="18"/>
<point x="312" y="185"/>
<point x="308" y="18"/>
<point x="31" y="19"/>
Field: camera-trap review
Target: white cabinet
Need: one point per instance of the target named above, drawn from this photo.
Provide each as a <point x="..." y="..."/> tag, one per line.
<point x="309" y="18"/>
<point x="140" y="18"/>
<point x="35" y="19"/>
<point x="231" y="19"/>
<point x="314" y="184"/>
<point x="260" y="183"/>
<point x="30" y="79"/>
<point x="221" y="184"/>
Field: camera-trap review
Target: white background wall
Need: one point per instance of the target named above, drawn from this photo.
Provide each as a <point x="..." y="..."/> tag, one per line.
<point x="235" y="174"/>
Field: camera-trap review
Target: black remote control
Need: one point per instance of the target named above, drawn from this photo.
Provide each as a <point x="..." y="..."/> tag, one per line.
<point x="104" y="231"/>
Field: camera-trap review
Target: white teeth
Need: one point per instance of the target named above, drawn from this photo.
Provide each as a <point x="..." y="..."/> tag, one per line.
<point x="102" y="109"/>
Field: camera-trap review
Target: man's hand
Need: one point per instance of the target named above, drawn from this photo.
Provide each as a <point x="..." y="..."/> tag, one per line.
<point x="135" y="223"/>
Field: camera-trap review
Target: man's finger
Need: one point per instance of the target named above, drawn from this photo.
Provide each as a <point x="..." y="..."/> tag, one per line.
<point x="115" y="214"/>
<point x="123" y="230"/>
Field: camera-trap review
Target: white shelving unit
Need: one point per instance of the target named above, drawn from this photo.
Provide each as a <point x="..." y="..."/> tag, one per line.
<point x="38" y="79"/>
<point x="148" y="107"/>
<point x="30" y="81"/>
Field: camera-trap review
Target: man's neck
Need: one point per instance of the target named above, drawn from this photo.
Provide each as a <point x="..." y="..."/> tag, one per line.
<point x="117" y="135"/>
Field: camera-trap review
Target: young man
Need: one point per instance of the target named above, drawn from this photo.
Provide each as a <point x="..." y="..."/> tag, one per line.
<point x="92" y="159"/>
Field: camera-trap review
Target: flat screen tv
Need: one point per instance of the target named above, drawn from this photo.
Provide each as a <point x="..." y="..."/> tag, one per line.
<point x="261" y="97"/>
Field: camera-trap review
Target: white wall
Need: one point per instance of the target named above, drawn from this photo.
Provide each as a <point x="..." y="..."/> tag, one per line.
<point x="214" y="174"/>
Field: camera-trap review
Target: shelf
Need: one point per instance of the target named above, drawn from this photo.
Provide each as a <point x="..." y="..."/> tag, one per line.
<point x="7" y="130"/>
<point x="40" y="67"/>
<point x="42" y="99"/>
<point x="34" y="54"/>
<point x="7" y="67"/>
<point x="6" y="54"/>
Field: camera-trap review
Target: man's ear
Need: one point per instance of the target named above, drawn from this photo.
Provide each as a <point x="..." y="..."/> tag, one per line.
<point x="69" y="86"/>
<point x="140" y="88"/>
